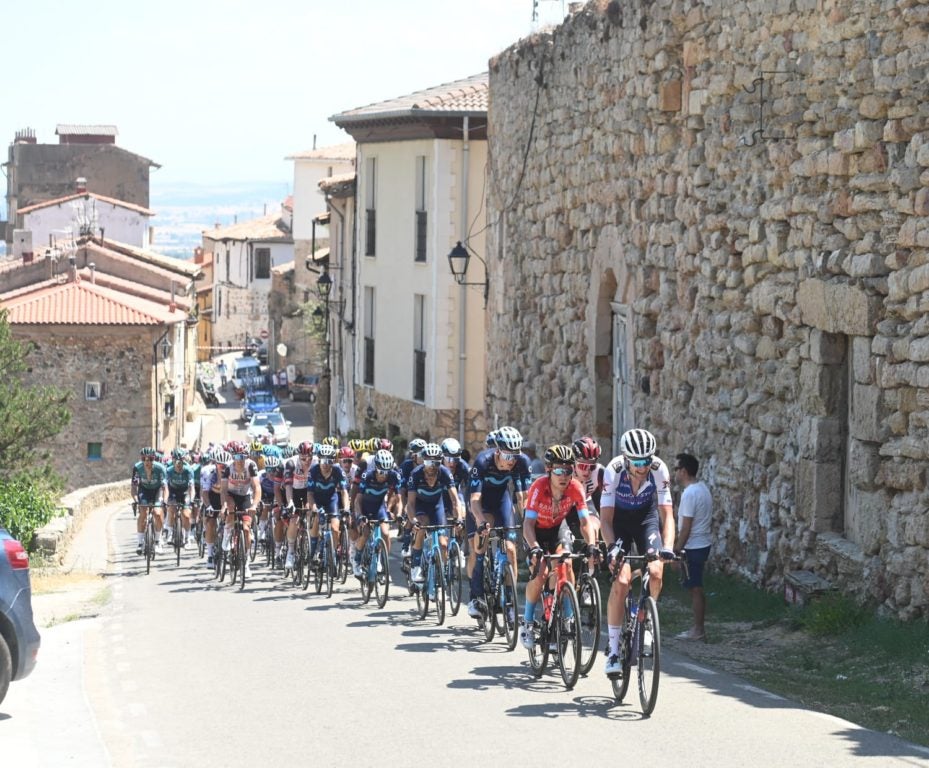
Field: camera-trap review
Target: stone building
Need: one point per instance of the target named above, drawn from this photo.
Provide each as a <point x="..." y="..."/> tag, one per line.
<point x="750" y="286"/>
<point x="38" y="172"/>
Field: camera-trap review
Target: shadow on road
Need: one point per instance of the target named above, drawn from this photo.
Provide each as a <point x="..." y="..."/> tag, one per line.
<point x="601" y="707"/>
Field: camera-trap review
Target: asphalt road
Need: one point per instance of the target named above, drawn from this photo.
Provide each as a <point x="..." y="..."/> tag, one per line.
<point x="181" y="671"/>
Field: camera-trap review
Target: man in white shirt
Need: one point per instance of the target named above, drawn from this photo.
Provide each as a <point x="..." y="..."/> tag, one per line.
<point x="695" y="517"/>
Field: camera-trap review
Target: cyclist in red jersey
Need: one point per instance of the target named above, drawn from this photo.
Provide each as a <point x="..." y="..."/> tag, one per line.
<point x="549" y="501"/>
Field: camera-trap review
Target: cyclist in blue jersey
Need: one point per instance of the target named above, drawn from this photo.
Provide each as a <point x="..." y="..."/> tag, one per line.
<point x="180" y="479"/>
<point x="635" y="508"/>
<point x="413" y="460"/>
<point x="426" y="491"/>
<point x="150" y="490"/>
<point x="270" y="480"/>
<point x="377" y="500"/>
<point x="328" y="493"/>
<point x="490" y="503"/>
<point x="461" y="474"/>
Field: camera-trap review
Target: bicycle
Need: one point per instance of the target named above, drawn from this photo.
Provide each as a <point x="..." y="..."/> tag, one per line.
<point x="300" y="575"/>
<point x="324" y="566"/>
<point x="589" y="616"/>
<point x="454" y="570"/>
<point x="148" y="537"/>
<point x="197" y="529"/>
<point x="640" y="643"/>
<point x="374" y="566"/>
<point x="177" y="532"/>
<point x="499" y="608"/>
<point x="558" y="631"/>
<point x="343" y="549"/>
<point x="432" y="586"/>
<point x="237" y="555"/>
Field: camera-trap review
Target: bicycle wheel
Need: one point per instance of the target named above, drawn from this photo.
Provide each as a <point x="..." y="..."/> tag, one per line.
<point x="219" y="560"/>
<point x="422" y="596"/>
<point x="437" y="579"/>
<point x="621" y="683"/>
<point x="453" y="577"/>
<point x="382" y="579"/>
<point x="649" y="661"/>
<point x="307" y="561"/>
<point x="345" y="553"/>
<point x="568" y="636"/>
<point x="330" y="564"/>
<point x="299" y="559"/>
<point x="149" y="545"/>
<point x="367" y="583"/>
<point x="178" y="537"/>
<point x="509" y="607"/>
<point x="253" y="550"/>
<point x="243" y="554"/>
<point x="233" y="558"/>
<point x="588" y="598"/>
<point x="538" y="654"/>
<point x="490" y="600"/>
<point x="318" y="566"/>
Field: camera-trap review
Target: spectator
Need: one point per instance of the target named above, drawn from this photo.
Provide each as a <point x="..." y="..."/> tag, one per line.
<point x="536" y="465"/>
<point x="221" y="370"/>
<point x="695" y="516"/>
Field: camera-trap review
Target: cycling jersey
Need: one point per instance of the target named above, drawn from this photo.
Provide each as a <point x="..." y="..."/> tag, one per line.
<point x="208" y="478"/>
<point x="269" y="480"/>
<point x="541" y="507"/>
<point x="406" y="469"/>
<point x="374" y="493"/>
<point x="296" y="472"/>
<point x="179" y="480"/>
<point x="493" y="483"/>
<point x="239" y="481"/>
<point x="157" y="478"/>
<point x="325" y="489"/>
<point x="593" y="489"/>
<point x="617" y="487"/>
<point x="429" y="498"/>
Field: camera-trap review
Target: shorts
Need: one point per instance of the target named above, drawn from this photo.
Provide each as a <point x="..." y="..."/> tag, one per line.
<point x="571" y="526"/>
<point x="696" y="560"/>
<point x="549" y="539"/>
<point x="241" y="503"/>
<point x="149" y="496"/>
<point x="436" y="515"/>
<point x="267" y="498"/>
<point x="637" y="528"/>
<point x="299" y="497"/>
<point x="500" y="517"/>
<point x="177" y="496"/>
<point x="216" y="501"/>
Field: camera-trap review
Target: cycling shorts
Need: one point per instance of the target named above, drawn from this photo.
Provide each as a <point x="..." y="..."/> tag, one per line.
<point x="549" y="539"/>
<point x="641" y="529"/>
<point x="500" y="517"/>
<point x="267" y="498"/>
<point x="241" y="503"/>
<point x="216" y="501"/>
<point x="149" y="496"/>
<point x="177" y="496"/>
<point x="299" y="497"/>
<point x="435" y="516"/>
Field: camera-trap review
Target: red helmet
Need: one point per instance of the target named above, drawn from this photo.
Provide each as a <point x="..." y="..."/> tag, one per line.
<point x="305" y="448"/>
<point x="586" y="448"/>
<point x="383" y="444"/>
<point x="346" y="453"/>
<point x="236" y="446"/>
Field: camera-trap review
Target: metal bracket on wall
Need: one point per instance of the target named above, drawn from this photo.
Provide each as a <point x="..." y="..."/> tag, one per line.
<point x="758" y="85"/>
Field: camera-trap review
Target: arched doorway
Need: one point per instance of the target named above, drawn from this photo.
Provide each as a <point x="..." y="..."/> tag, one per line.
<point x="612" y="359"/>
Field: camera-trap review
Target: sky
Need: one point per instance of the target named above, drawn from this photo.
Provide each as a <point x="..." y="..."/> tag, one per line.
<point x="224" y="90"/>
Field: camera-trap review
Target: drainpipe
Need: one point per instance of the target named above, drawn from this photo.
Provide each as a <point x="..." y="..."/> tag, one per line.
<point x="462" y="290"/>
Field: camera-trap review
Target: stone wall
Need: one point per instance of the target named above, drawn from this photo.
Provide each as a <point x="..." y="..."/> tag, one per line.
<point x="775" y="290"/>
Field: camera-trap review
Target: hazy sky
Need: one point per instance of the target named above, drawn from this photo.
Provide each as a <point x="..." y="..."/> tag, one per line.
<point x="218" y="90"/>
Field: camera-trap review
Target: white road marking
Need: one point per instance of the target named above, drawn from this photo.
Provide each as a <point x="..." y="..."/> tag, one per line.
<point x="695" y="668"/>
<point x="761" y="692"/>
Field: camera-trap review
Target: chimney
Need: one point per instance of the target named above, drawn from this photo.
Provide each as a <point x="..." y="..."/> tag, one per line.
<point x="25" y="136"/>
<point x="314" y="141"/>
<point x="72" y="268"/>
<point x="173" y="305"/>
<point x="93" y="273"/>
<point x="81" y="184"/>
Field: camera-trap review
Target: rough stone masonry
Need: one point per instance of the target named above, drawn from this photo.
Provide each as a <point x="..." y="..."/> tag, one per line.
<point x="751" y="286"/>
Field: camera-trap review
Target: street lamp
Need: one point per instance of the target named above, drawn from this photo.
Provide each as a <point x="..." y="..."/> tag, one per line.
<point x="324" y="286"/>
<point x="458" y="260"/>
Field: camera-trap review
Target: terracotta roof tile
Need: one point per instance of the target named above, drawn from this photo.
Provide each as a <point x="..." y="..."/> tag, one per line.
<point x="461" y="97"/>
<point x="86" y="196"/>
<point x="270" y="227"/>
<point x="81" y="302"/>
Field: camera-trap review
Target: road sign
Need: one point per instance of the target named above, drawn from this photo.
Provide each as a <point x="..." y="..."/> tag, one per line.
<point x="263" y="333"/>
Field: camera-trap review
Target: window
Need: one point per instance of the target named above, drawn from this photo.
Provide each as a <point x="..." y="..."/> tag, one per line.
<point x="228" y="277"/>
<point x="369" y="337"/>
<point x="262" y="263"/>
<point x="420" y="252"/>
<point x="370" y="204"/>
<point x="93" y="390"/>
<point x="419" y="347"/>
<point x="94" y="451"/>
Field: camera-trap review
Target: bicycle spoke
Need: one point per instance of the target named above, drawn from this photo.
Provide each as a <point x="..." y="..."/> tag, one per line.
<point x="649" y="661"/>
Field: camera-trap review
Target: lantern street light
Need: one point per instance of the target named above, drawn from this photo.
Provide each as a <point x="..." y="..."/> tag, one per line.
<point x="458" y="260"/>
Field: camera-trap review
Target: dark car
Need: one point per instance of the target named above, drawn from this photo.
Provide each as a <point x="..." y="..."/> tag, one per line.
<point x="303" y="388"/>
<point x="19" y="638"/>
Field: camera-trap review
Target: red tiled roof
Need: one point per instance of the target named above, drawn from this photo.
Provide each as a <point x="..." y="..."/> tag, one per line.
<point x="86" y="196"/>
<point x="82" y="303"/>
<point x="267" y="228"/>
<point x="461" y="97"/>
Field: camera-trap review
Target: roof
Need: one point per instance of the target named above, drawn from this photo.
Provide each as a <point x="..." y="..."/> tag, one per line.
<point x="289" y="202"/>
<point x="83" y="129"/>
<point x="342" y="185"/>
<point x="188" y="268"/>
<point x="80" y="302"/>
<point x="86" y="196"/>
<point x="270" y="227"/>
<point x="136" y="288"/>
<point x="467" y="97"/>
<point x="337" y="153"/>
<point x="283" y="269"/>
<point x="321" y="254"/>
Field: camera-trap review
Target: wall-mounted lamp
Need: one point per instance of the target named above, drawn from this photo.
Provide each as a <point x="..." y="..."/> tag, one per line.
<point x="324" y="285"/>
<point x="458" y="260"/>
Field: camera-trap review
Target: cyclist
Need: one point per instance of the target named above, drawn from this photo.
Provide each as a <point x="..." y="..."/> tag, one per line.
<point x="461" y="471"/>
<point x="413" y="460"/>
<point x="427" y="488"/>
<point x="378" y="497"/>
<point x="296" y="480"/>
<point x="180" y="479"/>
<point x="549" y="501"/>
<point x="329" y="494"/>
<point x="635" y="508"/>
<point x="197" y="462"/>
<point x="150" y="491"/>
<point x="590" y="475"/>
<point x="256" y="453"/>
<point x="211" y="500"/>
<point x="331" y="440"/>
<point x="491" y="504"/>
<point x="269" y="480"/>
<point x="240" y="489"/>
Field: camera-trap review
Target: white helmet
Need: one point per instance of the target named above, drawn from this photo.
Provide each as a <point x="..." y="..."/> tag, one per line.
<point x="637" y="444"/>
<point x="384" y="460"/>
<point x="451" y="448"/>
<point x="508" y="439"/>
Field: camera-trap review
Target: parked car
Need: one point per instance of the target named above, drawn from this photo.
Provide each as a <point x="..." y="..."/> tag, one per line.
<point x="303" y="388"/>
<point x="269" y="424"/>
<point x="260" y="401"/>
<point x="19" y="638"/>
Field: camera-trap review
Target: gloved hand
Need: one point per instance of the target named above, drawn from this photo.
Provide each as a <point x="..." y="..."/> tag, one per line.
<point x="612" y="555"/>
<point x="593" y="551"/>
<point x="666" y="553"/>
<point x="483" y="527"/>
<point x="532" y="555"/>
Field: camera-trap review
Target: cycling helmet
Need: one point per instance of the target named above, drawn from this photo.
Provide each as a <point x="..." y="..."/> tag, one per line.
<point x="586" y="449"/>
<point x="287" y="450"/>
<point x="145" y="452"/>
<point x="206" y="458"/>
<point x="345" y="452"/>
<point x="331" y="440"/>
<point x="451" y="448"/>
<point x="270" y="450"/>
<point x="326" y="451"/>
<point x="559" y="454"/>
<point x="305" y="448"/>
<point x="371" y="444"/>
<point x="637" y="444"/>
<point x="179" y="454"/>
<point x="236" y="446"/>
<point x="385" y="445"/>
<point x="256" y="447"/>
<point x="416" y="445"/>
<point x="384" y="460"/>
<point x="489" y="440"/>
<point x="272" y="462"/>
<point x="508" y="439"/>
<point x="356" y="445"/>
<point x="194" y="457"/>
<point x="432" y="452"/>
<point x="222" y="457"/>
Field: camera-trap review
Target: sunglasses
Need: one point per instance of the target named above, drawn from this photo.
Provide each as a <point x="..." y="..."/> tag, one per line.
<point x="325" y="461"/>
<point x="239" y="457"/>
<point x="563" y="471"/>
<point x="640" y="462"/>
<point x="431" y="463"/>
<point x="346" y="461"/>
<point x="148" y="458"/>
<point x="506" y="456"/>
<point x="585" y="467"/>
